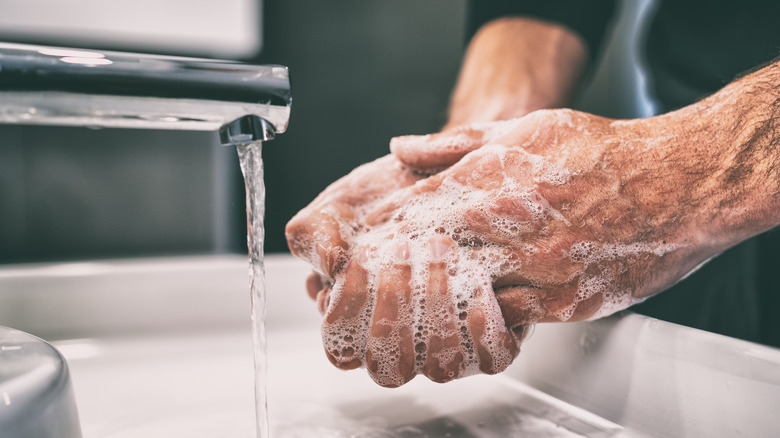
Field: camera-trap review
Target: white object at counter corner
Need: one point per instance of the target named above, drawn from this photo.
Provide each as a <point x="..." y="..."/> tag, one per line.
<point x="175" y="320"/>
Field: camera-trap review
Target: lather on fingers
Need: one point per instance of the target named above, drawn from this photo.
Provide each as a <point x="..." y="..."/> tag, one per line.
<point x="344" y="329"/>
<point x="390" y="357"/>
<point x="322" y="233"/>
<point x="433" y="152"/>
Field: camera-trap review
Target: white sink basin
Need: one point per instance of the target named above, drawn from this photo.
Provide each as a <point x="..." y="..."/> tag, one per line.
<point x="162" y="347"/>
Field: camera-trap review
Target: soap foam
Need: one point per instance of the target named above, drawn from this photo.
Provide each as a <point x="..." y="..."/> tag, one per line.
<point x="440" y="316"/>
<point x="471" y="265"/>
<point x="591" y="253"/>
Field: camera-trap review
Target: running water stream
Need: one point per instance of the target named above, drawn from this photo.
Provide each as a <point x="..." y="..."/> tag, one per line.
<point x="252" y="167"/>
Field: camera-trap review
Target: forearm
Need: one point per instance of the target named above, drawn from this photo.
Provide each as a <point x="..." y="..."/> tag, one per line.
<point x="514" y="66"/>
<point x="721" y="166"/>
<point x="755" y="163"/>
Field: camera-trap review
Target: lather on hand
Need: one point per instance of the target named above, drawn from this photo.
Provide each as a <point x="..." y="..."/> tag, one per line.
<point x="556" y="216"/>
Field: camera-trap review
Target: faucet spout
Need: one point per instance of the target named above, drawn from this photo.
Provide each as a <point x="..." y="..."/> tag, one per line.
<point x="59" y="86"/>
<point x="247" y="129"/>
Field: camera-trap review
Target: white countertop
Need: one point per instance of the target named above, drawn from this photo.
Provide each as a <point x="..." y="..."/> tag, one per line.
<point x="161" y="347"/>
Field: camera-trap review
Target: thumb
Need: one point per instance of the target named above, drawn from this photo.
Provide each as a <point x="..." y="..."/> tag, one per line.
<point x="434" y="152"/>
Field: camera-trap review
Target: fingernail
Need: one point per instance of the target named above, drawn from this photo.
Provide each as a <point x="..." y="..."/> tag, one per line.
<point x="325" y="260"/>
<point x="332" y="258"/>
<point x="322" y="252"/>
<point x="439" y="248"/>
<point x="402" y="251"/>
<point x="363" y="254"/>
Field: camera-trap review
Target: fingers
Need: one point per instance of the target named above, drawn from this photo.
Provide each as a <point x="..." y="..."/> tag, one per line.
<point x="397" y="331"/>
<point x="390" y="357"/>
<point x="323" y="300"/>
<point x="345" y="322"/>
<point x="520" y="305"/>
<point x="525" y="304"/>
<point x="437" y="151"/>
<point x="467" y="332"/>
<point x="430" y="153"/>
<point x="495" y="345"/>
<point x="588" y="307"/>
<point x="434" y="152"/>
<point x="315" y="235"/>
<point x="322" y="232"/>
<point x="314" y="284"/>
<point x="441" y="351"/>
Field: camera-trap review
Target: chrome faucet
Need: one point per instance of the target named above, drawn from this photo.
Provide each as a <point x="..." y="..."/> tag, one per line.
<point x="60" y="86"/>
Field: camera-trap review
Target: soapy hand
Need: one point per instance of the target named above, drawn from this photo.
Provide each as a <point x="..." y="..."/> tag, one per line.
<point x="323" y="232"/>
<point x="375" y="318"/>
<point x="556" y="216"/>
<point x="568" y="216"/>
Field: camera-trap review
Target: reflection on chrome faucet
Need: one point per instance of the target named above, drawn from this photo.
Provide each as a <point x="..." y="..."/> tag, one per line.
<point x="59" y="86"/>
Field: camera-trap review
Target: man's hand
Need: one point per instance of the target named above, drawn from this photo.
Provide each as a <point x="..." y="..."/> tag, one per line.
<point x="610" y="211"/>
<point x="556" y="216"/>
<point x="322" y="233"/>
<point x="551" y="219"/>
<point x="568" y="216"/>
<point x="556" y="220"/>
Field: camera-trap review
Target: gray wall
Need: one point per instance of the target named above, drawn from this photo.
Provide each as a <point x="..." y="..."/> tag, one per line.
<point x="69" y="193"/>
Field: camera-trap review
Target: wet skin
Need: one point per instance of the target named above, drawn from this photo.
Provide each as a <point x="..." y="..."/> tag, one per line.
<point x="438" y="259"/>
<point x="558" y="216"/>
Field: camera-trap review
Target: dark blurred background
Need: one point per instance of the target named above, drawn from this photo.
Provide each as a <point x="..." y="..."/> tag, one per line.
<point x="362" y="72"/>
